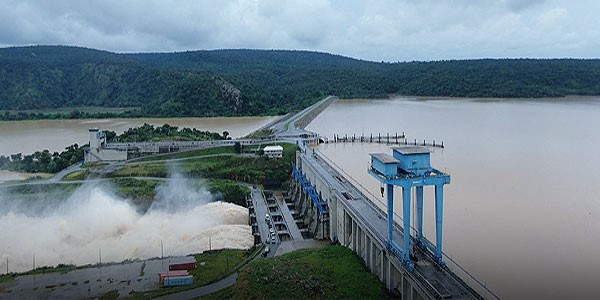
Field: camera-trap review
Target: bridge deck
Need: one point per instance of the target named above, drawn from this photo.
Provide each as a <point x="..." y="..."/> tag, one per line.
<point x="426" y="270"/>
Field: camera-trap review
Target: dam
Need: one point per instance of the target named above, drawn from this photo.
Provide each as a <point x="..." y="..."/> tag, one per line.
<point x="335" y="209"/>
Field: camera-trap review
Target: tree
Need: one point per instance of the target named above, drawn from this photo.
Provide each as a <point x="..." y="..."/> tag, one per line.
<point x="110" y="135"/>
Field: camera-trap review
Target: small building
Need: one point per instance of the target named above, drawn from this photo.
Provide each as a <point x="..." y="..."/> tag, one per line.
<point x="273" y="151"/>
<point x="97" y="150"/>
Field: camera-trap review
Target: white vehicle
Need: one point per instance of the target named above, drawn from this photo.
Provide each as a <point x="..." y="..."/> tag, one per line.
<point x="271" y="231"/>
<point x="266" y="252"/>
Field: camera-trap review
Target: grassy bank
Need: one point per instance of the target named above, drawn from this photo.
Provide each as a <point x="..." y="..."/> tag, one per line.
<point x="140" y="192"/>
<point x="229" y="191"/>
<point x="218" y="163"/>
<point x="332" y="272"/>
<point x="77" y="175"/>
<point x="5" y="278"/>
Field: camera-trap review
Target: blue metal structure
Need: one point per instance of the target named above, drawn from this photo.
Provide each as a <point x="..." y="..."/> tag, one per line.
<point x="410" y="167"/>
<point x="310" y="190"/>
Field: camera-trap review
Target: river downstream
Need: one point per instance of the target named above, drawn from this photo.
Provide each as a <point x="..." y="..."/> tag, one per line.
<point x="521" y="212"/>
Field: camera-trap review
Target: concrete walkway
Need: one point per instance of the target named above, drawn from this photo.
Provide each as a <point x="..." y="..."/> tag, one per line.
<point x="59" y="176"/>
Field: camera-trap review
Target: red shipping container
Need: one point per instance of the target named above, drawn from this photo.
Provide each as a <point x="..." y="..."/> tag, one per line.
<point x="184" y="266"/>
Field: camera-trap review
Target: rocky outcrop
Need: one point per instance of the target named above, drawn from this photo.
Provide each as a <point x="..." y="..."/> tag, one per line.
<point x="231" y="96"/>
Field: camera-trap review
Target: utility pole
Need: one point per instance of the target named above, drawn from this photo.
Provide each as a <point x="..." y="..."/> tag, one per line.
<point x="34" y="269"/>
<point x="100" y="255"/>
<point x="162" y="253"/>
<point x="209" y="243"/>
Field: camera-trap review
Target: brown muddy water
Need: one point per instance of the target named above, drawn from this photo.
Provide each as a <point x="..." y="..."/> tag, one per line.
<point x="29" y="136"/>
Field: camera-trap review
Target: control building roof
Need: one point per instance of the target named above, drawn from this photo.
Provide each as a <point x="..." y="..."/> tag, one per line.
<point x="385" y="158"/>
<point x="412" y="150"/>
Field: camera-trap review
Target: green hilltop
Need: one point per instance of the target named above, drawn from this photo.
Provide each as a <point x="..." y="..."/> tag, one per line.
<point x="37" y="79"/>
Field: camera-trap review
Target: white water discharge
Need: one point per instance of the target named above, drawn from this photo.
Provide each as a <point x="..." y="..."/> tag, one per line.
<point x="93" y="222"/>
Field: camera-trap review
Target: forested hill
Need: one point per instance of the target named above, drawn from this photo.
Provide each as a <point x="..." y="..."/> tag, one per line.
<point x="255" y="82"/>
<point x="55" y="77"/>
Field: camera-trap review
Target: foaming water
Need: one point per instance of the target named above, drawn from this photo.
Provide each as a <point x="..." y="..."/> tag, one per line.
<point x="93" y="221"/>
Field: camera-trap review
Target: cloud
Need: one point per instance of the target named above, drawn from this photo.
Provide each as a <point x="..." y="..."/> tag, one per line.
<point x="552" y="18"/>
<point x="520" y="5"/>
<point x="391" y="30"/>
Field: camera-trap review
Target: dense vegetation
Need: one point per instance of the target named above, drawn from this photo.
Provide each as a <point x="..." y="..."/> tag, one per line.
<point x="70" y="113"/>
<point x="256" y="82"/>
<point x="53" y="77"/>
<point x="148" y="133"/>
<point x="43" y="161"/>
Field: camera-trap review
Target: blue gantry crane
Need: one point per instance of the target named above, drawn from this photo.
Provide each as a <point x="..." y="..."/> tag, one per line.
<point x="410" y="167"/>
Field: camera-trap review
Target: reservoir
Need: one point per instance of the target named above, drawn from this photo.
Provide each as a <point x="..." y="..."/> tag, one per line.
<point x="522" y="210"/>
<point x="27" y="137"/>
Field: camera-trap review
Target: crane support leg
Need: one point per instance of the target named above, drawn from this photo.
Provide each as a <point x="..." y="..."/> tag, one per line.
<point x="390" y="211"/>
<point x="439" y="212"/>
<point x="419" y="214"/>
<point x="406" y="213"/>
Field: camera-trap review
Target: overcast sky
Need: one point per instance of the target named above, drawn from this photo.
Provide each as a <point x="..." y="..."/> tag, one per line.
<point x="389" y="30"/>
